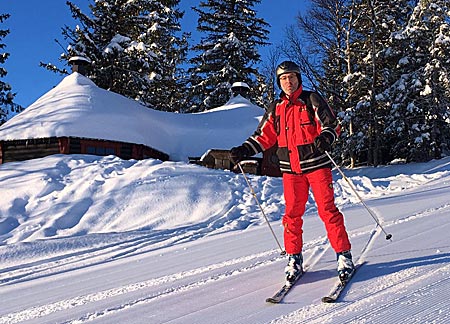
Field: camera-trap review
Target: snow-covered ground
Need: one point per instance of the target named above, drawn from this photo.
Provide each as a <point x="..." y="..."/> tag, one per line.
<point x="104" y="240"/>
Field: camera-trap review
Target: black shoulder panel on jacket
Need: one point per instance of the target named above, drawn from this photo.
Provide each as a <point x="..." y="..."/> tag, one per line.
<point x="310" y="99"/>
<point x="316" y="99"/>
<point x="323" y="111"/>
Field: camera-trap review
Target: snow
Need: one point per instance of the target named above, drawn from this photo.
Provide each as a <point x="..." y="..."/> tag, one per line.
<point x="105" y="240"/>
<point x="426" y="91"/>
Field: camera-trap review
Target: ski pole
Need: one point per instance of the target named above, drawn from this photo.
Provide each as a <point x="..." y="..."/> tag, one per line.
<point x="260" y="207"/>
<point x="388" y="236"/>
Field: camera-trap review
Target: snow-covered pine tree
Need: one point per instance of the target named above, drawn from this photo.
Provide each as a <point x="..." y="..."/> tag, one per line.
<point x="420" y="107"/>
<point x="167" y="90"/>
<point x="374" y="22"/>
<point x="5" y="89"/>
<point x="227" y="52"/>
<point x="134" y="49"/>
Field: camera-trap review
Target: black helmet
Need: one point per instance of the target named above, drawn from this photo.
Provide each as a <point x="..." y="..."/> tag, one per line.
<point x="288" y="67"/>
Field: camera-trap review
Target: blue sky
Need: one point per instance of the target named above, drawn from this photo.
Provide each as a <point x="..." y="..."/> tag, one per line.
<point x="34" y="26"/>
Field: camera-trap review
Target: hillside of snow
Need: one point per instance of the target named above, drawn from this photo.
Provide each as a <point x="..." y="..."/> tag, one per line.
<point x="105" y="240"/>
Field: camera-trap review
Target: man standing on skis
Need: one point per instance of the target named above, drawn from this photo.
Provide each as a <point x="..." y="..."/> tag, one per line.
<point x="303" y="127"/>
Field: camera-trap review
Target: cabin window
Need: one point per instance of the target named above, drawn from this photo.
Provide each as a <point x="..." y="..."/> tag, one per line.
<point x="100" y="150"/>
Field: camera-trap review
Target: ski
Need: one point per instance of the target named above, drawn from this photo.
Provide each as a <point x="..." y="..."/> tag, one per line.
<point x="283" y="291"/>
<point x="339" y="287"/>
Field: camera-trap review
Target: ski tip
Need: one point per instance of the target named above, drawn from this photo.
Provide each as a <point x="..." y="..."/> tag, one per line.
<point x="328" y="300"/>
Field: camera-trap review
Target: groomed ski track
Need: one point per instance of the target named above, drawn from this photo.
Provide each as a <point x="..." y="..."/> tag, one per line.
<point x="129" y="280"/>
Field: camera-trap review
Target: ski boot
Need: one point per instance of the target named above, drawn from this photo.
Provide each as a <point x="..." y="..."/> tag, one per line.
<point x="293" y="269"/>
<point x="345" y="265"/>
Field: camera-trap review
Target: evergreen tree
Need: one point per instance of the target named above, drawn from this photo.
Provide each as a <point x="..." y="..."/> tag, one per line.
<point x="375" y="21"/>
<point x="420" y="109"/>
<point x="134" y="49"/>
<point x="227" y="51"/>
<point x="6" y="96"/>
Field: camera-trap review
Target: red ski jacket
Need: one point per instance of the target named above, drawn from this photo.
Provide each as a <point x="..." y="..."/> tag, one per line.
<point x="293" y="124"/>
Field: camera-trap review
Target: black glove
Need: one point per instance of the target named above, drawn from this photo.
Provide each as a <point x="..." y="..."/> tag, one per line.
<point x="323" y="142"/>
<point x="238" y="153"/>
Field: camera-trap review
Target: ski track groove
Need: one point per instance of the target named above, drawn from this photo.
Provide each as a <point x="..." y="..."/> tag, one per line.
<point x="391" y="285"/>
<point x="47" y="309"/>
<point x="383" y="312"/>
<point x="39" y="311"/>
<point x="85" y="258"/>
<point x="104" y="254"/>
<point x="62" y="263"/>
<point x="109" y="252"/>
<point x="316" y="255"/>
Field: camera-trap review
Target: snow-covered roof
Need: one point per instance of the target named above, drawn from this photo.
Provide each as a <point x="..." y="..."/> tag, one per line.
<point x="76" y="107"/>
<point x="79" y="59"/>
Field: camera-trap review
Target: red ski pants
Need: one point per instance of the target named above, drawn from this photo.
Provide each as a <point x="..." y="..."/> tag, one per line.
<point x="296" y="192"/>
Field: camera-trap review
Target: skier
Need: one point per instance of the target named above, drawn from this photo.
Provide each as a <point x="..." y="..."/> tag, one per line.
<point x="303" y="127"/>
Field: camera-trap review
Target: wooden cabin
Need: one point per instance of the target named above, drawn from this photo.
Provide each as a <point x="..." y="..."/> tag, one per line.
<point x="219" y="159"/>
<point x="25" y="149"/>
<point x="77" y="117"/>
